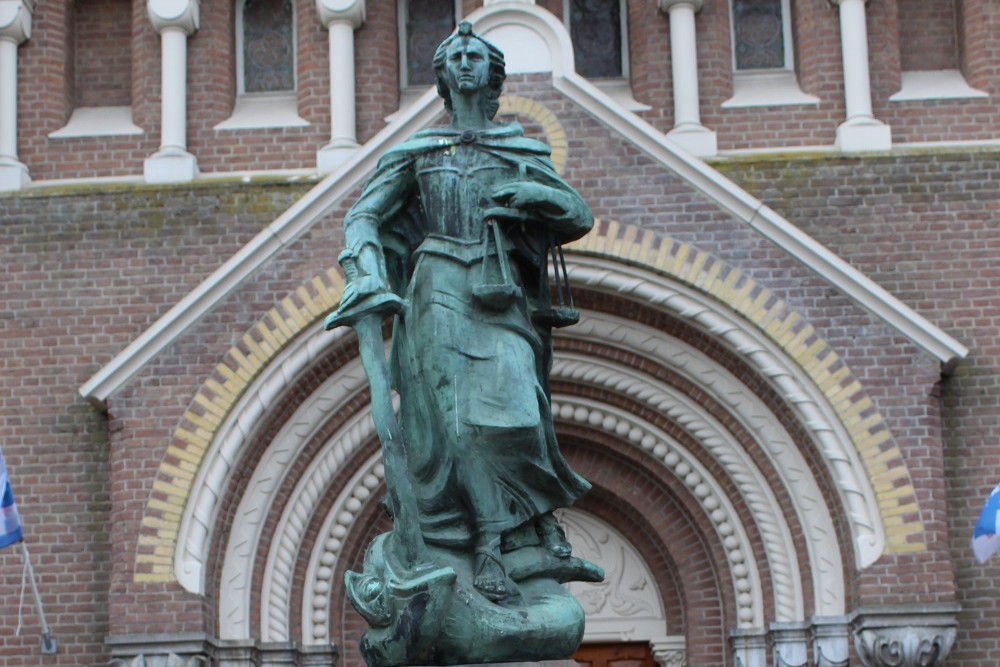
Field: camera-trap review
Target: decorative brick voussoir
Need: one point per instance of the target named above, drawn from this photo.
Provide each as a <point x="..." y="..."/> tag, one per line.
<point x="209" y="408"/>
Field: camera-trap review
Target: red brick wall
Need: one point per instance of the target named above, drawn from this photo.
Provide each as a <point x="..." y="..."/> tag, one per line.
<point x="86" y="271"/>
<point x="965" y="37"/>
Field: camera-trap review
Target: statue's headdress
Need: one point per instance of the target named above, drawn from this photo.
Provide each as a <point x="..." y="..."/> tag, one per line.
<point x="498" y="71"/>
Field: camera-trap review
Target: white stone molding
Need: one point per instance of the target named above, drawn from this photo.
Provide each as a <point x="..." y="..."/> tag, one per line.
<point x="626" y="606"/>
<point x="308" y="492"/>
<point x="323" y="560"/>
<point x="341" y="18"/>
<point x="688" y="131"/>
<point x="540" y="28"/>
<point x="266" y="483"/>
<point x="786" y="377"/>
<point x="700" y="426"/>
<point x="861" y="131"/>
<point x="288" y="537"/>
<point x="223" y="456"/>
<point x="15" y="28"/>
<point x="669" y="651"/>
<point x="175" y="20"/>
<point x="628" y="617"/>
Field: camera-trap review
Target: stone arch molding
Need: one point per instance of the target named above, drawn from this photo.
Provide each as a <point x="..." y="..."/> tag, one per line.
<point x="662" y="275"/>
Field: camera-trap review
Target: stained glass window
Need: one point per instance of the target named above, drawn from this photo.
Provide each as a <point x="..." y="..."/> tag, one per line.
<point x="759" y="34"/>
<point x="268" y="46"/>
<point x="596" y="29"/>
<point x="428" y="22"/>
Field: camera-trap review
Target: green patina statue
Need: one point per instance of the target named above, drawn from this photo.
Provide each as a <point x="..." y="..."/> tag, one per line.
<point x="452" y="236"/>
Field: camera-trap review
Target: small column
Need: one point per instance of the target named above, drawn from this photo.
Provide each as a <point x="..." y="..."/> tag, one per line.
<point x="749" y="648"/>
<point x="15" y="28"/>
<point x="688" y="131"/>
<point x="861" y="131"/>
<point x="175" y="20"/>
<point x="341" y="18"/>
<point x="790" y="642"/>
<point x="830" y="640"/>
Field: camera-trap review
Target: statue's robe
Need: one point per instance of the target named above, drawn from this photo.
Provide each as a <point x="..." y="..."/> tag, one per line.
<point x="472" y="375"/>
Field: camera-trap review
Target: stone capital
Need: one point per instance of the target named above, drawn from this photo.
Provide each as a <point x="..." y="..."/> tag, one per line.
<point x="669" y="651"/>
<point x="666" y="5"/>
<point x="344" y="11"/>
<point x="177" y="14"/>
<point x="905" y="636"/>
<point x="15" y="19"/>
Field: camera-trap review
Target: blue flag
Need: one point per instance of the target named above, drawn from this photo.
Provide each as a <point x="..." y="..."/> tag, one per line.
<point x="10" y="523"/>
<point x="986" y="537"/>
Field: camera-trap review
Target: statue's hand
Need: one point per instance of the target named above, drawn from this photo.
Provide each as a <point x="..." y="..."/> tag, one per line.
<point x="360" y="289"/>
<point x="528" y="195"/>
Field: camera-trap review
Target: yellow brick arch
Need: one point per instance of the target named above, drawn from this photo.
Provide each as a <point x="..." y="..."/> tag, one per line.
<point x="555" y="135"/>
<point x="218" y="396"/>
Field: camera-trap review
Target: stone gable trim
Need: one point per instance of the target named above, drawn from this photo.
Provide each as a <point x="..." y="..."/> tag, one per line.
<point x="210" y="406"/>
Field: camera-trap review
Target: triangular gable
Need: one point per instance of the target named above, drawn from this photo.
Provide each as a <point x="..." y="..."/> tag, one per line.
<point x="542" y="44"/>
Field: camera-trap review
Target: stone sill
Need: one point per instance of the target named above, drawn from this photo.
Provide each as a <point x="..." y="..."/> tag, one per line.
<point x="98" y="122"/>
<point x="767" y="89"/>
<point x="945" y="84"/>
<point x="264" y="110"/>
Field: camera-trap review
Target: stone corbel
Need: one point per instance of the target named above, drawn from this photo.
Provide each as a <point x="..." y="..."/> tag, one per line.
<point x="15" y="19"/>
<point x="666" y="5"/>
<point x="15" y="28"/>
<point x="183" y="15"/>
<point x="341" y="18"/>
<point x="905" y="636"/>
<point x="351" y="12"/>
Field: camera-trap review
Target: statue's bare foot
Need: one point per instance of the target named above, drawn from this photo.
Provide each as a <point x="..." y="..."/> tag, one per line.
<point x="553" y="537"/>
<point x="491" y="578"/>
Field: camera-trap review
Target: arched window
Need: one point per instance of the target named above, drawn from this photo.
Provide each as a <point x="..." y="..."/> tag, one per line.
<point x="423" y="24"/>
<point x="99" y="70"/>
<point x="763" y="60"/>
<point x="265" y="46"/>
<point x="600" y="43"/>
<point x="931" y="69"/>
<point x="762" y="35"/>
<point x="265" y="66"/>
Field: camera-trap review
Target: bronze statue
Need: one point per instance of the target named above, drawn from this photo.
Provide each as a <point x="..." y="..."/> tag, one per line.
<point x="452" y="235"/>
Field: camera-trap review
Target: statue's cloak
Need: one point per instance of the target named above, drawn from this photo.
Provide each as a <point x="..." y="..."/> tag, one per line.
<point x="472" y="376"/>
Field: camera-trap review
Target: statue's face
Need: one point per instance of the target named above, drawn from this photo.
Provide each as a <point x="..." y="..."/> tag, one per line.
<point x="467" y="66"/>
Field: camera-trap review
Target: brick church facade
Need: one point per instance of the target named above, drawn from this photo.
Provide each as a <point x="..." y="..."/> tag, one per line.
<point x="785" y="386"/>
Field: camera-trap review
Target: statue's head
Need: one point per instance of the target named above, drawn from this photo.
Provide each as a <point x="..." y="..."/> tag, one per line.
<point x="465" y="39"/>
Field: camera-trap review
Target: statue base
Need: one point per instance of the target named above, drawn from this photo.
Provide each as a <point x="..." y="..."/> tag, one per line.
<point x="435" y="616"/>
<point x="535" y="663"/>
